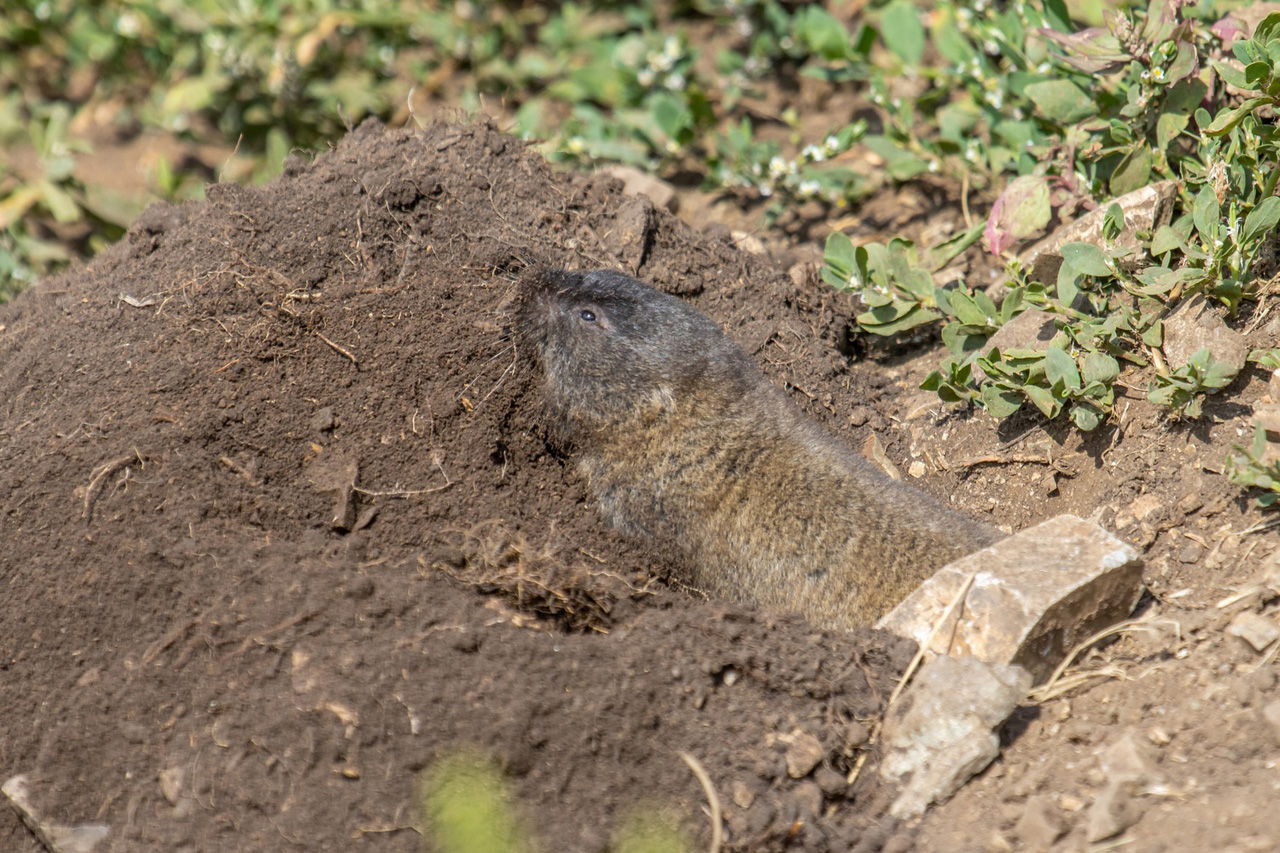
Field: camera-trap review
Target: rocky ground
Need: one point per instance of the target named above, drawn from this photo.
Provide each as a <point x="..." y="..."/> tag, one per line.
<point x="283" y="527"/>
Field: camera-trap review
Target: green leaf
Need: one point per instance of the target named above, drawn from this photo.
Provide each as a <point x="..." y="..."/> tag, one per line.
<point x="1100" y="367"/>
<point x="1232" y="75"/>
<point x="1086" y="416"/>
<point x="1166" y="239"/>
<point x="1153" y="335"/>
<point x="1256" y="75"/>
<point x="1086" y="258"/>
<point x="949" y="41"/>
<point x="1133" y="172"/>
<point x="1228" y="119"/>
<point x="1061" y="101"/>
<point x="59" y="202"/>
<point x="901" y="164"/>
<point x="1206" y="214"/>
<point x="1000" y="402"/>
<point x="1262" y="219"/>
<point x="1266" y="357"/>
<point x="902" y="31"/>
<point x="1267" y="28"/>
<point x="1060" y="369"/>
<point x="838" y="261"/>
<point x="821" y="33"/>
<point x="890" y="319"/>
<point x="967" y="311"/>
<point x="1043" y="400"/>
<point x="1068" y="283"/>
<point x="1112" y="222"/>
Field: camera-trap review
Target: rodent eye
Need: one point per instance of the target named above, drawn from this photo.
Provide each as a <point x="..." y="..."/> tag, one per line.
<point x="588" y="315"/>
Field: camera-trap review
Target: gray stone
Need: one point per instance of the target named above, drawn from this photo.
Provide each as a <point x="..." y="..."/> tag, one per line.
<point x="1113" y="811"/>
<point x="1271" y="713"/>
<point x="1144" y="209"/>
<point x="54" y="837"/>
<point x="1034" y="596"/>
<point x="1129" y="759"/>
<point x="1195" y="325"/>
<point x="1032" y="329"/>
<point x="636" y="182"/>
<point x="1255" y="629"/>
<point x="941" y="732"/>
<point x="1040" y="826"/>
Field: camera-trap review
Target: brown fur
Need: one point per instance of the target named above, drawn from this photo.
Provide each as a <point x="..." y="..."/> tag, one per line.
<point x="687" y="446"/>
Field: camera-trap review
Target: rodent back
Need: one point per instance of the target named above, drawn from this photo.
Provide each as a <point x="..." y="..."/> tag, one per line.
<point x="612" y="348"/>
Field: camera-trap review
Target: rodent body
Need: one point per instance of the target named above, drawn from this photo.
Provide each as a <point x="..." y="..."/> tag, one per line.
<point x="686" y="445"/>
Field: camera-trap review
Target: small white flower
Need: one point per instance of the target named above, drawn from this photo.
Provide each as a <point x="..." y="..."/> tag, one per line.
<point x="127" y="25"/>
<point x="813" y="154"/>
<point x="765" y="190"/>
<point x="645" y="77"/>
<point x="808" y="189"/>
<point x="676" y="81"/>
<point x="1157" y="74"/>
<point x="777" y="166"/>
<point x="933" y="166"/>
<point x="577" y="145"/>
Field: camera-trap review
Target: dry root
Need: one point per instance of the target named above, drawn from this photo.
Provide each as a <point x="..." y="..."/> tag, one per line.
<point x="537" y="579"/>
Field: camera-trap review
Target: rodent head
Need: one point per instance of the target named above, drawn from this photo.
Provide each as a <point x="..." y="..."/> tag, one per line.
<point x="613" y="349"/>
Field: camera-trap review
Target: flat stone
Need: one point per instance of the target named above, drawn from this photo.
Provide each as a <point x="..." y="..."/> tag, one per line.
<point x="1129" y="759"/>
<point x="1113" y="811"/>
<point x="632" y="234"/>
<point x="941" y="731"/>
<point x="1034" y="596"/>
<point x="1255" y="629"/>
<point x="1271" y="713"/>
<point x="1033" y="329"/>
<point x="1195" y="325"/>
<point x="1040" y="826"/>
<point x="636" y="182"/>
<point x="1144" y="209"/>
<point x="55" y="838"/>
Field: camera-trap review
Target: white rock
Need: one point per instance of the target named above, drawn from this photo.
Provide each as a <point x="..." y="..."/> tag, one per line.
<point x="941" y="731"/>
<point x="1034" y="596"/>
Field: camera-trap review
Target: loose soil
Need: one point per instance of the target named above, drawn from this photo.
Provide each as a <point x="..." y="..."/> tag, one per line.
<point x="283" y="528"/>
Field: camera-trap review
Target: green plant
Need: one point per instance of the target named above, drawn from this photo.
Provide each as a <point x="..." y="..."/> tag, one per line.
<point x="1258" y="467"/>
<point x="1107" y="302"/>
<point x="467" y="807"/>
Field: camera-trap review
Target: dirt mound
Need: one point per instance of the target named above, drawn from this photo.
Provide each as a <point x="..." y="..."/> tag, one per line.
<point x="282" y="527"/>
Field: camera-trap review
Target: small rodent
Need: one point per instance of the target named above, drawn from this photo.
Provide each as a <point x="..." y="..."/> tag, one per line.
<point x="688" y="447"/>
